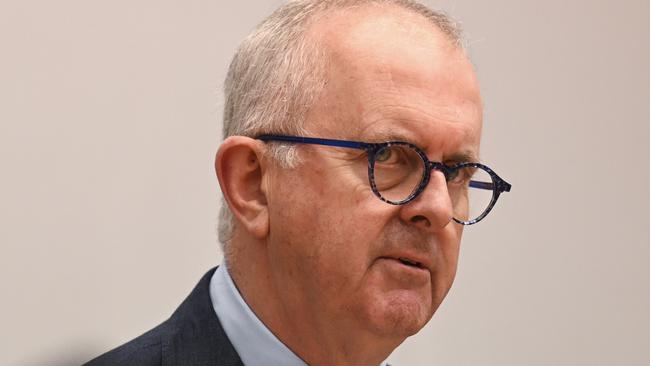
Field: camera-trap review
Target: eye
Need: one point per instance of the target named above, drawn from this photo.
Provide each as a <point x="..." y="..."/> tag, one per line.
<point x="384" y="154"/>
<point x="393" y="155"/>
<point x="460" y="175"/>
<point x="452" y="175"/>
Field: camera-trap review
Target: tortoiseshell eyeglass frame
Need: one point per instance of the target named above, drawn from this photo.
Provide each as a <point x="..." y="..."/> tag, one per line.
<point x="497" y="186"/>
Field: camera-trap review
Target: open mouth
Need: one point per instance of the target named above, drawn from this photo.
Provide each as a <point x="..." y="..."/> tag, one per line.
<point x="410" y="263"/>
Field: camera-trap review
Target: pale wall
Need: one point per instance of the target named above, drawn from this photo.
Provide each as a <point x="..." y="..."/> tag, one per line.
<point x="108" y="126"/>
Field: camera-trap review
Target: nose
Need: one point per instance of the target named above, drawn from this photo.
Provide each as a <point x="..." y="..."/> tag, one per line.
<point x="432" y="209"/>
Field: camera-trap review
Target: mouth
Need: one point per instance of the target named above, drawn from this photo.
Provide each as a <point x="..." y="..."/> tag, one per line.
<point x="410" y="262"/>
<point x="407" y="271"/>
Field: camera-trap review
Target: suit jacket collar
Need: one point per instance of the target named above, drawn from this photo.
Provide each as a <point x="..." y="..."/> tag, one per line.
<point x="197" y="337"/>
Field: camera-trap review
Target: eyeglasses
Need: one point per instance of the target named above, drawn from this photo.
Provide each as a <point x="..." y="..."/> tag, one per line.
<point x="399" y="171"/>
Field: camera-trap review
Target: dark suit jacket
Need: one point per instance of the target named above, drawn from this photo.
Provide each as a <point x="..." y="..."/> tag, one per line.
<point x="193" y="336"/>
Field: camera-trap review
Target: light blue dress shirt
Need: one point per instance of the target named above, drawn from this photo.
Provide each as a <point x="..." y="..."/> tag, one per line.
<point x="252" y="340"/>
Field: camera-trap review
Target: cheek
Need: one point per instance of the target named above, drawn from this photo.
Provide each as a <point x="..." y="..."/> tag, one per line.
<point x="448" y="256"/>
<point x="324" y="231"/>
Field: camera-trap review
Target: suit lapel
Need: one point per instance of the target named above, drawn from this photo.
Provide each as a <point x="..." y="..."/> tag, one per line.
<point x="198" y="339"/>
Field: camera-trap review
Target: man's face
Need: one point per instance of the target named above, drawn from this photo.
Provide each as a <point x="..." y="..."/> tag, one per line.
<point x="333" y="245"/>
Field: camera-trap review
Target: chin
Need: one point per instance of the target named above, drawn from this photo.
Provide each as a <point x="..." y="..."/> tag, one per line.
<point x="400" y="313"/>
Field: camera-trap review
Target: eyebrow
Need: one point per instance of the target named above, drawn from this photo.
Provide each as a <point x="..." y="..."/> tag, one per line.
<point x="463" y="157"/>
<point x="384" y="135"/>
<point x="466" y="156"/>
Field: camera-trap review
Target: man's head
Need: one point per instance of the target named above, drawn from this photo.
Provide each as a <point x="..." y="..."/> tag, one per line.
<point x="312" y="238"/>
<point x="279" y="71"/>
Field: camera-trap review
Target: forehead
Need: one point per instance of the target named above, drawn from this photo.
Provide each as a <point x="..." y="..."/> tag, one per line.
<point x="391" y="72"/>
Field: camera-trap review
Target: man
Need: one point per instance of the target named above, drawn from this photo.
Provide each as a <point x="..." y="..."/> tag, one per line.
<point x="338" y="245"/>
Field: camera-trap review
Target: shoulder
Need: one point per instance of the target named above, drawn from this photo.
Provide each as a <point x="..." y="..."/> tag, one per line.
<point x="172" y="343"/>
<point x="145" y="350"/>
<point x="193" y="336"/>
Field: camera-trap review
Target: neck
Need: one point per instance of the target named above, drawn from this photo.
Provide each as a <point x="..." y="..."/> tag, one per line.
<point x="293" y="320"/>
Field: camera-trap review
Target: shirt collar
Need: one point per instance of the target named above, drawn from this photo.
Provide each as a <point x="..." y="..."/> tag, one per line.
<point x="252" y="340"/>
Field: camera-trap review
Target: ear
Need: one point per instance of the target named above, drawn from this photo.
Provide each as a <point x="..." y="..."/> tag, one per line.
<point x="240" y="169"/>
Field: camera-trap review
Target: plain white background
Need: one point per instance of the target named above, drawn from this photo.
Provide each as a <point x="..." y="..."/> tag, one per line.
<point x="110" y="118"/>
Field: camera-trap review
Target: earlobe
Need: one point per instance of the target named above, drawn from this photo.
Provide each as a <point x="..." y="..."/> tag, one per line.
<point x="240" y="168"/>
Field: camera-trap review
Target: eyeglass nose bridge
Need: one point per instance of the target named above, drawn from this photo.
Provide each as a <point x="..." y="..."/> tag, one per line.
<point x="431" y="166"/>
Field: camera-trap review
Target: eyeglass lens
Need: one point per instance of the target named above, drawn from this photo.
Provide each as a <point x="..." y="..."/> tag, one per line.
<point x="399" y="171"/>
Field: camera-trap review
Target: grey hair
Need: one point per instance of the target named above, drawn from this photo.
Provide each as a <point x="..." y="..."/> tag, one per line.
<point x="277" y="73"/>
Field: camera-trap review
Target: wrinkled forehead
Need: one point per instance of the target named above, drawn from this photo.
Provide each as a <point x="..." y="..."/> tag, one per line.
<point x="365" y="41"/>
<point x="388" y="65"/>
<point x="383" y="36"/>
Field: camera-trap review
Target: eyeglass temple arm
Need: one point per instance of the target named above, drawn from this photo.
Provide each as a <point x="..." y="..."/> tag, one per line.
<point x="502" y="186"/>
<point x="317" y="141"/>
